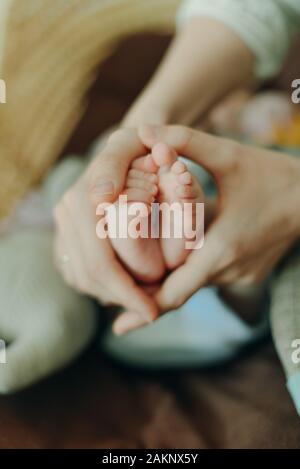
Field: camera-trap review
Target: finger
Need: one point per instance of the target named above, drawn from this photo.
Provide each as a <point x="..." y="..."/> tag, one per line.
<point x="129" y="321"/>
<point x="109" y="169"/>
<point x="76" y="276"/>
<point x="130" y="295"/>
<point x="199" y="267"/>
<point x="257" y="268"/>
<point x="213" y="153"/>
<point x="179" y="286"/>
<point x="78" y="271"/>
<point x="112" y="286"/>
<point x="104" y="271"/>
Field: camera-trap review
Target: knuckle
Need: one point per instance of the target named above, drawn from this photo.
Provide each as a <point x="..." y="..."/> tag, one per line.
<point x="184" y="135"/>
<point x="98" y="170"/>
<point x="119" y="136"/>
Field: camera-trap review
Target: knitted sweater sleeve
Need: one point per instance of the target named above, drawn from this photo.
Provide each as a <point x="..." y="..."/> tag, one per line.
<point x="267" y="27"/>
<point x="4" y="9"/>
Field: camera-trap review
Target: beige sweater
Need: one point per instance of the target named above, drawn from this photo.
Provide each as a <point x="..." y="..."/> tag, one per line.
<point x="49" y="50"/>
<point x="266" y="26"/>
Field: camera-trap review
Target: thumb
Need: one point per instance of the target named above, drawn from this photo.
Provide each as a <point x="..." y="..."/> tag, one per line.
<point x="215" y="154"/>
<point x="107" y="173"/>
<point x="197" y="271"/>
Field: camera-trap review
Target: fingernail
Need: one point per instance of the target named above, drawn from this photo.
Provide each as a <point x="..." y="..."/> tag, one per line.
<point x="103" y="188"/>
<point x="130" y="321"/>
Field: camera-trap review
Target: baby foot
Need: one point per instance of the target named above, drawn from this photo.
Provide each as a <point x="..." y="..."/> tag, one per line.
<point x="142" y="256"/>
<point x="175" y="184"/>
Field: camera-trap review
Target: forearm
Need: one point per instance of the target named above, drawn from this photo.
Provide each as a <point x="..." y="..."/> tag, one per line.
<point x="205" y="62"/>
<point x="295" y="197"/>
<point x="284" y="172"/>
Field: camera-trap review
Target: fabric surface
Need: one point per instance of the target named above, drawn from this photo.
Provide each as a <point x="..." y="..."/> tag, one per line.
<point x="44" y="323"/>
<point x="285" y="304"/>
<point x="98" y="404"/>
<point x="50" y="50"/>
<point x="266" y="27"/>
<point x="203" y="331"/>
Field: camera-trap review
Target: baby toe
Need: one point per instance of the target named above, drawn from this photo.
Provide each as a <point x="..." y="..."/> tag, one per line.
<point x="178" y="168"/>
<point x="185" y="178"/>
<point x="163" y="155"/>
<point x="148" y="186"/>
<point x="137" y="174"/>
<point x="145" y="164"/>
<point x="186" y="191"/>
<point x="136" y="194"/>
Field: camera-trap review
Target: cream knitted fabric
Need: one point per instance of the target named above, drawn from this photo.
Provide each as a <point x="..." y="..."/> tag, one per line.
<point x="285" y="312"/>
<point x="267" y="26"/>
<point x="4" y="10"/>
<point x="285" y="317"/>
<point x="50" y="53"/>
<point x="44" y="323"/>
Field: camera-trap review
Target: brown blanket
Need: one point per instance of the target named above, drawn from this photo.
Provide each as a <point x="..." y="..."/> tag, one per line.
<point x="98" y="404"/>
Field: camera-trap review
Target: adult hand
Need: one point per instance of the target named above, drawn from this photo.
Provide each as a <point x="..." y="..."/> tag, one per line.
<point x="87" y="263"/>
<point x="257" y="217"/>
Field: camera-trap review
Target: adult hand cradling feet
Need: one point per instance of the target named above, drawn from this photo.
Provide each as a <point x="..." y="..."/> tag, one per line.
<point x="92" y="266"/>
<point x="256" y="220"/>
<point x="255" y="223"/>
<point x="91" y="263"/>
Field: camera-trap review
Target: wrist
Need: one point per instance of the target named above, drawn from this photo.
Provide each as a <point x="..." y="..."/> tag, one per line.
<point x="147" y="111"/>
<point x="295" y="195"/>
<point x="135" y="118"/>
<point x="297" y="203"/>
